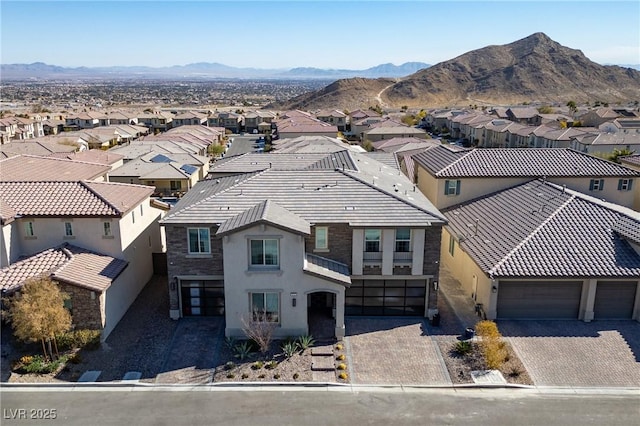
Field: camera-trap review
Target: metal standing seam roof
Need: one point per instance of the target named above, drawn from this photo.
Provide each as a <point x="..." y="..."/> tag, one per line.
<point x="88" y="199"/>
<point x="521" y="162"/>
<point x="266" y="212"/>
<point x="327" y="269"/>
<point x="317" y="196"/>
<point x="538" y="229"/>
<point x="70" y="264"/>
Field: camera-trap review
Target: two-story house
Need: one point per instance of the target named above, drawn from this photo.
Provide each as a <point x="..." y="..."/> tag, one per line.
<point x="335" y="117"/>
<point x="96" y="239"/>
<point x="227" y="120"/>
<point x="276" y="244"/>
<point x="257" y="121"/>
<point x="450" y="175"/>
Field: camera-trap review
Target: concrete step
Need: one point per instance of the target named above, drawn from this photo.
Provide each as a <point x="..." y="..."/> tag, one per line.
<point x="325" y="350"/>
<point x="324" y="376"/>
<point x="322" y="363"/>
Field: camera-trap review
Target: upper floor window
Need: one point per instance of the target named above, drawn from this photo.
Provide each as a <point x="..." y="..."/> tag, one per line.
<point x="28" y="229"/>
<point x="176" y="185"/>
<point x="372" y="239"/>
<point x="403" y="240"/>
<point x="625" y="184"/>
<point x="68" y="229"/>
<point x="141" y="210"/>
<point x="199" y="240"/>
<point x="106" y="229"/>
<point x="596" y="185"/>
<point x="452" y="187"/>
<point x="133" y="216"/>
<point x="322" y="234"/>
<point x="452" y="245"/>
<point x="264" y="253"/>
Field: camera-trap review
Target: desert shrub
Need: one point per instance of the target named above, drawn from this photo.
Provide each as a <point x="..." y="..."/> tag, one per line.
<point x="38" y="364"/>
<point x="343" y="376"/>
<point x="230" y="343"/>
<point x="463" y="347"/>
<point x="276" y="376"/>
<point x="306" y="341"/>
<point x="230" y="375"/>
<point x="515" y="372"/>
<point x="79" y="339"/>
<point x="339" y="346"/>
<point x="341" y="357"/>
<point x="229" y="365"/>
<point x="289" y="348"/>
<point x="342" y="366"/>
<point x="245" y="376"/>
<point x="257" y="365"/>
<point x="296" y="376"/>
<point x="271" y="365"/>
<point x="242" y="350"/>
<point x="493" y="348"/>
<point x="258" y="328"/>
<point x="262" y="376"/>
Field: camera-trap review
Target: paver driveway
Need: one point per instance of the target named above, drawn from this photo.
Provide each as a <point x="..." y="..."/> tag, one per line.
<point x="393" y="351"/>
<point x="574" y="353"/>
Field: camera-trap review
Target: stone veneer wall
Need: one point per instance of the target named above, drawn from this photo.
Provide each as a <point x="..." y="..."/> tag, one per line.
<point x="179" y="262"/>
<point x="340" y="242"/>
<point x="86" y="312"/>
<point x="431" y="266"/>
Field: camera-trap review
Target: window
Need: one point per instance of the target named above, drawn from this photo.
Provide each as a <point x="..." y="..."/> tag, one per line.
<point x="625" y="184"/>
<point x="596" y="185"/>
<point x="264" y="253"/>
<point x="106" y="229"/>
<point x="265" y="307"/>
<point x="199" y="240"/>
<point x="133" y="216"/>
<point x="176" y="185"/>
<point x="372" y="239"/>
<point x="452" y="187"/>
<point x="322" y="233"/>
<point x="68" y="229"/>
<point x="141" y="210"/>
<point x="452" y="245"/>
<point x="28" y="229"/>
<point x="403" y="240"/>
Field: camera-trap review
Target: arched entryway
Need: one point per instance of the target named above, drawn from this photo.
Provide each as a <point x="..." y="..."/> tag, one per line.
<point x="321" y="315"/>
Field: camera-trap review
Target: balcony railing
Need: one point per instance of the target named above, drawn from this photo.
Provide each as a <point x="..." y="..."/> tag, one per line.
<point x="372" y="256"/>
<point x="402" y="256"/>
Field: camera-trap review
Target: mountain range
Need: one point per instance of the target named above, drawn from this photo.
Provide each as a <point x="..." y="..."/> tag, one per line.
<point x="533" y="69"/>
<point x="201" y="70"/>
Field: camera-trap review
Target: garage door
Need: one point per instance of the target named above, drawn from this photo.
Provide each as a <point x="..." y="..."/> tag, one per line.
<point x="386" y="297"/>
<point x="202" y="297"/>
<point x="615" y="299"/>
<point x="539" y="299"/>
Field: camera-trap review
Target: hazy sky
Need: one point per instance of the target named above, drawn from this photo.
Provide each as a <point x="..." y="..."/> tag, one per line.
<point x="286" y="34"/>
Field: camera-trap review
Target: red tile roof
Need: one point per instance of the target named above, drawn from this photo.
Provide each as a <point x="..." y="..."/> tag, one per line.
<point x="33" y="168"/>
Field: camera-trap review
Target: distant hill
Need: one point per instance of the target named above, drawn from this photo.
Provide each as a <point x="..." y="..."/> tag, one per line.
<point x="535" y="68"/>
<point x="39" y="70"/>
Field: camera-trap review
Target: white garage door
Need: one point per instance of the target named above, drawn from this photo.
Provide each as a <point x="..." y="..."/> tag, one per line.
<point x="539" y="299"/>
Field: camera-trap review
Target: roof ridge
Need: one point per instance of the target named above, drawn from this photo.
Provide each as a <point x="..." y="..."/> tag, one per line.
<point x="457" y="161"/>
<point x="100" y="197"/>
<point x="530" y="236"/>
<point x="255" y="174"/>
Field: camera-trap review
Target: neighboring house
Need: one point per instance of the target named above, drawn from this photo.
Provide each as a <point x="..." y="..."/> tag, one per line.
<point x="311" y="144"/>
<point x="356" y="241"/>
<point x="335" y="117"/>
<point x="293" y="124"/>
<point x="52" y="126"/>
<point x="390" y="129"/>
<point x="449" y="177"/>
<point x="397" y="144"/>
<point x="166" y="176"/>
<point x="622" y="126"/>
<point x="86" y="232"/>
<point x="107" y="158"/>
<point x="157" y="121"/>
<point x="524" y="115"/>
<point x="84" y="120"/>
<point x="540" y="251"/>
<point x="119" y="117"/>
<point x="606" y="143"/>
<point x="599" y="116"/>
<point x="43" y="147"/>
<point x="34" y="168"/>
<point x="226" y="120"/>
<point x="191" y="118"/>
<point x="258" y="121"/>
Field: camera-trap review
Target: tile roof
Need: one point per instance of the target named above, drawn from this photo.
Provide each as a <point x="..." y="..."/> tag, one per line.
<point x="317" y="196"/>
<point x="631" y="159"/>
<point x="521" y="162"/>
<point x="266" y="212"/>
<point x="32" y="168"/>
<point x="75" y="199"/>
<point x="538" y="229"/>
<point x="148" y="170"/>
<point x="66" y="263"/>
<point x="310" y="144"/>
<point x="96" y="156"/>
<point x="252" y="162"/>
<point x="327" y="269"/>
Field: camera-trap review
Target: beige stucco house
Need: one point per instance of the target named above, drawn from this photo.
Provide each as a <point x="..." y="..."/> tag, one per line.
<point x="541" y="251"/>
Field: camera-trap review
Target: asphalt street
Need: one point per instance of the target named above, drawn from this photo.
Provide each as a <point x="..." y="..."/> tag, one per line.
<point x="315" y="406"/>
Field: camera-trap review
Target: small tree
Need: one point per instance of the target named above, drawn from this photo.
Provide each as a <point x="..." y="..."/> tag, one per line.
<point x="37" y="312"/>
<point x="572" y="106"/>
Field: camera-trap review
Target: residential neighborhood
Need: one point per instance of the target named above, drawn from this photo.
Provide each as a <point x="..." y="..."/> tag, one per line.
<point x="360" y="230"/>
